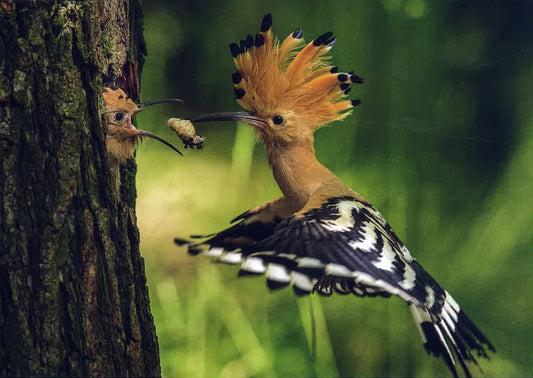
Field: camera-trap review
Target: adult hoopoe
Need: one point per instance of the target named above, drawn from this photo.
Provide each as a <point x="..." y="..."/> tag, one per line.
<point x="121" y="136"/>
<point x="321" y="235"/>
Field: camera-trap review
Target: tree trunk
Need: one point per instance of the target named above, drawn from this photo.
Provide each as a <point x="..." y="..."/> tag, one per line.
<point x="73" y="292"/>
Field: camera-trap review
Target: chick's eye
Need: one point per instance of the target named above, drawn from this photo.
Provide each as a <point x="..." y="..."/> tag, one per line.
<point x="119" y="116"/>
<point x="278" y="120"/>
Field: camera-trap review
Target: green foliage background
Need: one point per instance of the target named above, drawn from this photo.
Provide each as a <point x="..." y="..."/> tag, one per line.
<point x="442" y="144"/>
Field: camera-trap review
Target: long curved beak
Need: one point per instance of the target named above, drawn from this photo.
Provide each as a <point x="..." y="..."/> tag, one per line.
<point x="144" y="105"/>
<point x="230" y="116"/>
<point x="153" y="136"/>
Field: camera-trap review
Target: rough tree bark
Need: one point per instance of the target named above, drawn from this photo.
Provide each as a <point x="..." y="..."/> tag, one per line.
<point x="73" y="292"/>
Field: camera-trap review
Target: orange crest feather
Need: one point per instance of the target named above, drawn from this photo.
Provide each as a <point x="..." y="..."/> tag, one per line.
<point x="271" y="75"/>
<point x="117" y="99"/>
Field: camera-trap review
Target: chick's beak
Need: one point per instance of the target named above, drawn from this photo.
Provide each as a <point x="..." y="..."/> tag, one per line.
<point x="145" y="105"/>
<point x="143" y="133"/>
<point x="231" y="116"/>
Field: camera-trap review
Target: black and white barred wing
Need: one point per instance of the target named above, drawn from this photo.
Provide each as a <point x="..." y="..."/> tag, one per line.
<point x="347" y="247"/>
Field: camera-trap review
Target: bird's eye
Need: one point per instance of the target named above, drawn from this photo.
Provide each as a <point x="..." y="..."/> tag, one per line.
<point x="278" y="120"/>
<point x="119" y="116"/>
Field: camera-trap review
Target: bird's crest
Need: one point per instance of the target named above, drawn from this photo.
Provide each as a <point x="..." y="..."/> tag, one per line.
<point x="270" y="73"/>
<point x="117" y="99"/>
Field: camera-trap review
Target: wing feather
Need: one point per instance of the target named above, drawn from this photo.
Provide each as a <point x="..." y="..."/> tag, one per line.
<point x="346" y="246"/>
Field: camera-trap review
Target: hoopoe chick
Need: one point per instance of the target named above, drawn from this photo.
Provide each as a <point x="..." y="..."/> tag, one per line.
<point x="321" y="236"/>
<point x="122" y="137"/>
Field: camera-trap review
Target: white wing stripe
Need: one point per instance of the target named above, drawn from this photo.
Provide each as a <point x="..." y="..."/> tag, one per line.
<point x="430" y="297"/>
<point x="302" y="281"/>
<point x="345" y="221"/>
<point x="277" y="272"/>
<point x="448" y="321"/>
<point x="253" y="265"/>
<point x="386" y="258"/>
<point x="215" y="252"/>
<point x="448" y="309"/>
<point x="409" y="278"/>
<point x="338" y="271"/>
<point x="231" y="258"/>
<point x="368" y="240"/>
<point x="452" y="302"/>
<point x="309" y="262"/>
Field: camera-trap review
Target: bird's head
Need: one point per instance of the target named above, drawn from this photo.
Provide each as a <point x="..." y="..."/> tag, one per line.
<point x="287" y="92"/>
<point x="121" y="136"/>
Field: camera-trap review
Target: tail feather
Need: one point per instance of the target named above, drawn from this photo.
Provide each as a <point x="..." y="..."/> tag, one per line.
<point x="450" y="334"/>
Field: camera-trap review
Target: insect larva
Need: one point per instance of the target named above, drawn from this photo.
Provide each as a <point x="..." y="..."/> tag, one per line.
<point x="186" y="132"/>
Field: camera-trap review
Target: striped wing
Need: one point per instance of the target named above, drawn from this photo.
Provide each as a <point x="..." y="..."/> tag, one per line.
<point x="346" y="246"/>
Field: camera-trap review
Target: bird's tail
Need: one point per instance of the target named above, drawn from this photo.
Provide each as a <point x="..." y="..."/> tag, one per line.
<point x="451" y="332"/>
